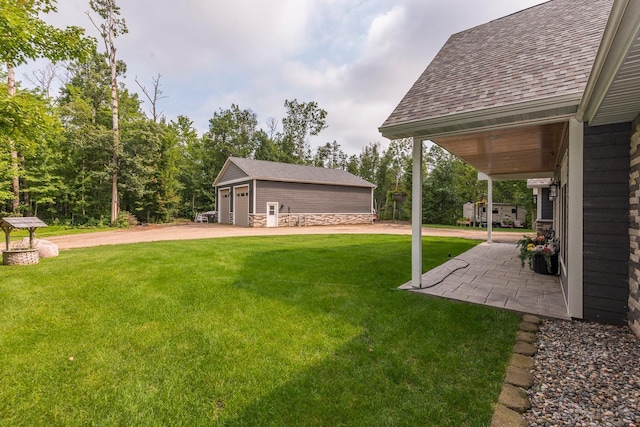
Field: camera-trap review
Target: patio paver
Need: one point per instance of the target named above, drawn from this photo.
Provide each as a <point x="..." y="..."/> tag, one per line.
<point x="491" y="274"/>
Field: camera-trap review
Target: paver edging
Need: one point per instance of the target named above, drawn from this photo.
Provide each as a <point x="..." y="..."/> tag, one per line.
<point x="513" y="400"/>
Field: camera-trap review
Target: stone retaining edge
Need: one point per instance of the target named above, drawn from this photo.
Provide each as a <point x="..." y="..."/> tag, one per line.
<point x="513" y="400"/>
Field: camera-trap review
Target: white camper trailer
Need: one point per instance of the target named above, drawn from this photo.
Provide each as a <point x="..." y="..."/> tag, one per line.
<point x="504" y="215"/>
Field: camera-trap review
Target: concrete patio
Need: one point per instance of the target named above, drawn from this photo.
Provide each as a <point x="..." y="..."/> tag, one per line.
<point x="491" y="274"/>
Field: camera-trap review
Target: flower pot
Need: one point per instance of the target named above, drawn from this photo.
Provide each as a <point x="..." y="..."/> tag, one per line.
<point x="540" y="264"/>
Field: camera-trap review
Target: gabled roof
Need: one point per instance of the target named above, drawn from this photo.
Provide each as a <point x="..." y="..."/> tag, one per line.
<point x="540" y="57"/>
<point x="20" y="222"/>
<point x="286" y="172"/>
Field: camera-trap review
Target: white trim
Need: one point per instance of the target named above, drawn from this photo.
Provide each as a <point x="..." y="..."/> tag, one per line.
<point x="255" y="199"/>
<point x="489" y="208"/>
<point x="235" y="181"/>
<point x="298" y="181"/>
<point x="416" y="215"/>
<point x="619" y="35"/>
<point x="417" y="128"/>
<point x="575" y="219"/>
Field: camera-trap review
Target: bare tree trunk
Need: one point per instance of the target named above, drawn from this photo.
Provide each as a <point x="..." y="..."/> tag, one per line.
<point x="115" y="204"/>
<point x="153" y="98"/>
<point x="15" y="165"/>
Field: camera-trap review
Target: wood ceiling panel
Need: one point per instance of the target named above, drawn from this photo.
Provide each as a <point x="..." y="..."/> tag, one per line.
<point x="525" y="150"/>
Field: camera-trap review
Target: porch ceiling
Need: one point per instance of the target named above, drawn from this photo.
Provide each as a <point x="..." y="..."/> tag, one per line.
<point x="512" y="153"/>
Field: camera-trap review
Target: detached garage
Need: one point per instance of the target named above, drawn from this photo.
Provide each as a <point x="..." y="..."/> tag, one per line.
<point x="257" y="193"/>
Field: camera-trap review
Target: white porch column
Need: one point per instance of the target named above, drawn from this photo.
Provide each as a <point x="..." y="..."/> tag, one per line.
<point x="416" y="215"/>
<point x="575" y="219"/>
<point x="489" y="208"/>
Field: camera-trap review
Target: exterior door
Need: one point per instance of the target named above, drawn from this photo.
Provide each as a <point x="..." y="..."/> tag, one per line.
<point x="241" y="205"/>
<point x="272" y="214"/>
<point x="225" y="206"/>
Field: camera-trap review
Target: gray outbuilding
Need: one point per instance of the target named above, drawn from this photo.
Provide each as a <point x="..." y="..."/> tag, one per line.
<point x="258" y="193"/>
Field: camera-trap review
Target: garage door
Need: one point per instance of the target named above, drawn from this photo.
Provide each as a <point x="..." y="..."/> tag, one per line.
<point x="224" y="205"/>
<point x="241" y="205"/>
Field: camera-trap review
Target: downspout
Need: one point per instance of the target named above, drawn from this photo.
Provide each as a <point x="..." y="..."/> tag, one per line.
<point x="416" y="215"/>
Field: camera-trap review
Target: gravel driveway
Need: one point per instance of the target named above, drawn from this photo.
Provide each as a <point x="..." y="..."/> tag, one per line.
<point x="189" y="231"/>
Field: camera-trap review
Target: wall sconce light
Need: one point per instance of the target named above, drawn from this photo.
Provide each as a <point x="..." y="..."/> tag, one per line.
<point x="553" y="191"/>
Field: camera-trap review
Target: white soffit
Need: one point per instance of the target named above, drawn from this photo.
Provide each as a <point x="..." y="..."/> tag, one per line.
<point x="613" y="90"/>
<point x="622" y="101"/>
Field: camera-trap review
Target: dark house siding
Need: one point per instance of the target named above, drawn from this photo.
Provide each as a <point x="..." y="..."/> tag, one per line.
<point x="606" y="223"/>
<point x="547" y="205"/>
<point x="298" y="198"/>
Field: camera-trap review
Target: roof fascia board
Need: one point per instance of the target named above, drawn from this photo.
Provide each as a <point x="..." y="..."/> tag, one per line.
<point x="301" y="181"/>
<point x="233" y="181"/>
<point x="421" y="128"/>
<point x="622" y="29"/>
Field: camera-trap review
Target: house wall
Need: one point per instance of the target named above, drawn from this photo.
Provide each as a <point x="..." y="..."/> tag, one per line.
<point x="300" y="198"/>
<point x="606" y="223"/>
<point x="312" y="204"/>
<point x="547" y="205"/>
<point x="307" y="220"/>
<point x="232" y="173"/>
<point x="634" y="228"/>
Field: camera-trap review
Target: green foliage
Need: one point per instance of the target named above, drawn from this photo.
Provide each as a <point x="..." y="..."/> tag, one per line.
<point x="286" y="330"/>
<point x="125" y="220"/>
<point x="303" y="119"/>
<point x="31" y="38"/>
<point x="441" y="203"/>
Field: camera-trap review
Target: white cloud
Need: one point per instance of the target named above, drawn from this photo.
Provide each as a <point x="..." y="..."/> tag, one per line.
<point x="356" y="58"/>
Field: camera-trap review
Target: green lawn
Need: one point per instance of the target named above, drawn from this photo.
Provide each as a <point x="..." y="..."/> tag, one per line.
<point x="260" y="331"/>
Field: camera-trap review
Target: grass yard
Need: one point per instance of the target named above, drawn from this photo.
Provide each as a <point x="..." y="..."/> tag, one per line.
<point x="253" y="331"/>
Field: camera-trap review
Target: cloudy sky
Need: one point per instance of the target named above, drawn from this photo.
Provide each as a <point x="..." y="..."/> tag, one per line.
<point x="355" y="58"/>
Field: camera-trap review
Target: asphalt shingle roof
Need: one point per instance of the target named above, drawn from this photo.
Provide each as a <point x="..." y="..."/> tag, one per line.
<point x="541" y="52"/>
<point x="274" y="171"/>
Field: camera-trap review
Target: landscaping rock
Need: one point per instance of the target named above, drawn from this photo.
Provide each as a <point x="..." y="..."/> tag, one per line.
<point x="529" y="327"/>
<point x="514" y="398"/>
<point x="529" y="337"/>
<point x="47" y="249"/>
<point x="531" y="318"/>
<point x="586" y="374"/>
<point x="522" y="361"/>
<point x="505" y="417"/>
<point x="525" y="348"/>
<point x="519" y="377"/>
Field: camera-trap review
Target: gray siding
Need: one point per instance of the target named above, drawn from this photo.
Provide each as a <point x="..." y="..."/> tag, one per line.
<point x="547" y="205"/>
<point x="606" y="223"/>
<point x="232" y="173"/>
<point x="312" y="198"/>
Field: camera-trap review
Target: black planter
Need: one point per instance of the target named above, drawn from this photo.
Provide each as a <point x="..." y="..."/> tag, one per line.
<point x="540" y="265"/>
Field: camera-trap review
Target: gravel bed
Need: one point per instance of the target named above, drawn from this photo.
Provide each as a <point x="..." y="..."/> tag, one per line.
<point x="585" y="374"/>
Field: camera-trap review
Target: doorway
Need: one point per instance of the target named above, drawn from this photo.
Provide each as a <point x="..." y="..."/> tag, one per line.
<point x="272" y="214"/>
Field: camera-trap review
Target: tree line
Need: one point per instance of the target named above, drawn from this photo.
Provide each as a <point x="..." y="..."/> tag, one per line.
<point x="92" y="155"/>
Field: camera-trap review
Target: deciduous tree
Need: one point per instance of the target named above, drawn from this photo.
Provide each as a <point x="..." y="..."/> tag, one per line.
<point x="110" y="28"/>
<point x="25" y="36"/>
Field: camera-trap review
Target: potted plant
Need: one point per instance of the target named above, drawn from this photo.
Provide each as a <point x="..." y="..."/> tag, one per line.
<point x="540" y="252"/>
